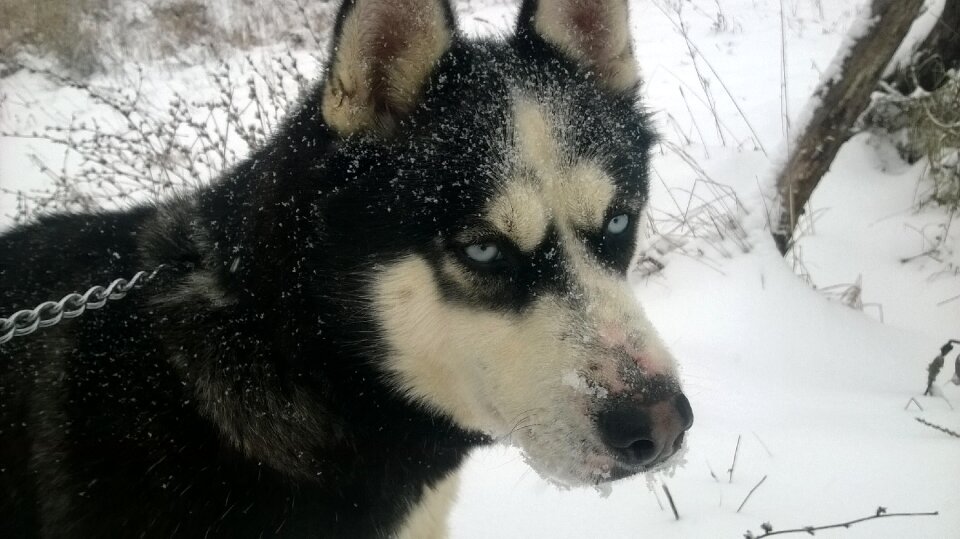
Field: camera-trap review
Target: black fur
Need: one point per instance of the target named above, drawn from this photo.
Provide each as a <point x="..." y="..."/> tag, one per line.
<point x="238" y="394"/>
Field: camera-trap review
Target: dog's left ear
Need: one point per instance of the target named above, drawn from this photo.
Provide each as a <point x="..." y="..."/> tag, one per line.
<point x="594" y="33"/>
<point x="383" y="52"/>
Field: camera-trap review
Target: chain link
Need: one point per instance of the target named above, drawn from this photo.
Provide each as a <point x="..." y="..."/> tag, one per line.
<point x="72" y="305"/>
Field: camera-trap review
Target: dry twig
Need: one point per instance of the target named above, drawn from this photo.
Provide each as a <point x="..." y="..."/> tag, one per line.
<point x="881" y="513"/>
<point x="673" y="506"/>
<point x="734" y="463"/>
<point x="938" y="427"/>
<point x="755" y="487"/>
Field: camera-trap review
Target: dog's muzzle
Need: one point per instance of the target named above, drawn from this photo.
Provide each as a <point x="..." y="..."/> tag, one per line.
<point x="643" y="434"/>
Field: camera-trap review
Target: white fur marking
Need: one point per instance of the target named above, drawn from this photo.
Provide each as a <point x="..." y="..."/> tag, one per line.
<point x="518" y="212"/>
<point x="428" y="519"/>
<point x="578" y="192"/>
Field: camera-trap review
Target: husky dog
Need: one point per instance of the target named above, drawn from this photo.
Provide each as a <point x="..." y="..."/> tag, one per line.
<point x="430" y="255"/>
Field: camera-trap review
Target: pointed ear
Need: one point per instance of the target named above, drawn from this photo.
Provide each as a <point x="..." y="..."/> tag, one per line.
<point x="595" y="33"/>
<point x="383" y="51"/>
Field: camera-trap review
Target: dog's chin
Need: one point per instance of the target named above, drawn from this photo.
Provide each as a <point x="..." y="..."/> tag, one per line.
<point x="578" y="470"/>
<point x="592" y="469"/>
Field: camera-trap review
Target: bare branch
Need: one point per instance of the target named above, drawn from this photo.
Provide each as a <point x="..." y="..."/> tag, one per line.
<point x="673" y="506"/>
<point x="733" y="464"/>
<point x="938" y="427"/>
<point x="809" y="530"/>
<point x="755" y="487"/>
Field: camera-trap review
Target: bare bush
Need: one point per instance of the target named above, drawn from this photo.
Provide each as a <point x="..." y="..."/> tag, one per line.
<point x="139" y="151"/>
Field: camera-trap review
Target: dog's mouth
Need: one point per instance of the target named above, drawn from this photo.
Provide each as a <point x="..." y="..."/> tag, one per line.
<point x="598" y="464"/>
<point x="617" y="473"/>
<point x="611" y="470"/>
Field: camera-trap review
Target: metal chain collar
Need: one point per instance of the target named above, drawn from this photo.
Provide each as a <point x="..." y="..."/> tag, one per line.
<point x="72" y="305"/>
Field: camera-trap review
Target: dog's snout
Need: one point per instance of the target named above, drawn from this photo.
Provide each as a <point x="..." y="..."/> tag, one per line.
<point x="685" y="411"/>
<point x="643" y="434"/>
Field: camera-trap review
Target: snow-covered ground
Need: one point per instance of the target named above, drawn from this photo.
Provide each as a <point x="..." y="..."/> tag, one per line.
<point x="814" y="390"/>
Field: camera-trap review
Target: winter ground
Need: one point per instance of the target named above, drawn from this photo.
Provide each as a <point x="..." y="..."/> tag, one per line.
<point x="814" y="390"/>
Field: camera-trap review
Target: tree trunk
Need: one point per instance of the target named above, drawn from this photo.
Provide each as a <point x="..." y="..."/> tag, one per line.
<point x="842" y="99"/>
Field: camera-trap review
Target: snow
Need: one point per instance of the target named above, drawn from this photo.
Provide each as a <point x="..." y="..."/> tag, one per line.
<point x="819" y="385"/>
<point x="815" y="391"/>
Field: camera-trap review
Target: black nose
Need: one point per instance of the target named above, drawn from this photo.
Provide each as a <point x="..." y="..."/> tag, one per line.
<point x="643" y="434"/>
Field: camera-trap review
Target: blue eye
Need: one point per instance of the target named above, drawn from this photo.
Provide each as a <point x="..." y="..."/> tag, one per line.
<point x="618" y="224"/>
<point x="483" y="252"/>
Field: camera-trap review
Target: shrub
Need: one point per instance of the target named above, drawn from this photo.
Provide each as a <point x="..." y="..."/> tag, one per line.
<point x="927" y="124"/>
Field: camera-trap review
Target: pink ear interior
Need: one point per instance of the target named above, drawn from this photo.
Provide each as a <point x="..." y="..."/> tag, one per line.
<point x="384" y="52"/>
<point x="594" y="32"/>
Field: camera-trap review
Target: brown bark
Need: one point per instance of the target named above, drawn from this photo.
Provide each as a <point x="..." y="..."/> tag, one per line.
<point x="842" y="100"/>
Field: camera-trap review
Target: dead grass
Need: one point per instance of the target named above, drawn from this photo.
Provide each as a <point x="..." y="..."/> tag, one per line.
<point x="702" y="221"/>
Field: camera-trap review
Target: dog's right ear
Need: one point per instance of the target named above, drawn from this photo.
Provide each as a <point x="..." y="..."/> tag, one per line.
<point x="383" y="52"/>
<point x="594" y="33"/>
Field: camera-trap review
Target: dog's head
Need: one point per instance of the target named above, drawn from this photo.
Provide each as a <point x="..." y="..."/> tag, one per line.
<point x="491" y="196"/>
